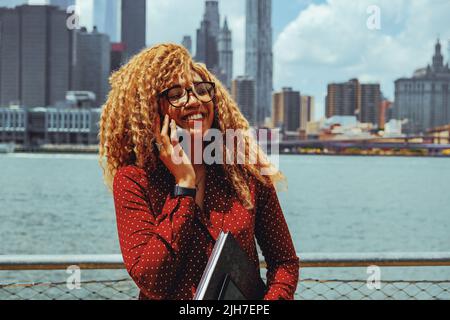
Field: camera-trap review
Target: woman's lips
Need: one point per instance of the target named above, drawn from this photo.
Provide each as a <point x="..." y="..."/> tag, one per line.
<point x="195" y="116"/>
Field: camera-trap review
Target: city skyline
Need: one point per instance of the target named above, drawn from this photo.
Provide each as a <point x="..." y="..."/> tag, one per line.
<point x="332" y="42"/>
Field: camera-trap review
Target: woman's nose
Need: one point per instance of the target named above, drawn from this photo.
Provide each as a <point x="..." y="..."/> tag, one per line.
<point x="192" y="100"/>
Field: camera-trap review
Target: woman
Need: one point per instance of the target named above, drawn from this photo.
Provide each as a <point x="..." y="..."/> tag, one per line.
<point x="170" y="213"/>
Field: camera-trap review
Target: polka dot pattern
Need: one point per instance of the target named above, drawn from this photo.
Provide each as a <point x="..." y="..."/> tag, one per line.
<point x="166" y="241"/>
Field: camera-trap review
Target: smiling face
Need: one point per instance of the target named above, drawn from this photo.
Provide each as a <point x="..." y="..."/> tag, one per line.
<point x="195" y="113"/>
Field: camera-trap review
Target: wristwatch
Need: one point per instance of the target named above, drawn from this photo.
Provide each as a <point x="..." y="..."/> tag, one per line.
<point x="181" y="192"/>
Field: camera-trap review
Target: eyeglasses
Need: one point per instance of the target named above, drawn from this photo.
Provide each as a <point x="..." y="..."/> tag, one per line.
<point x="179" y="97"/>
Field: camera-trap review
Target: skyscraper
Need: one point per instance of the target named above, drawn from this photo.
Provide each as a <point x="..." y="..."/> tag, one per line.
<point x="187" y="43"/>
<point x="277" y="111"/>
<point x="353" y="98"/>
<point x="371" y="99"/>
<point x="225" y="55"/>
<point x="93" y="63"/>
<point x="62" y="4"/>
<point x="286" y="108"/>
<point x="10" y="80"/>
<point x="306" y="111"/>
<point x="213" y="17"/>
<point x="36" y="55"/>
<point x="207" y="37"/>
<point x="243" y="92"/>
<point x="258" y="54"/>
<point x="343" y="99"/>
<point x="423" y="101"/>
<point x="133" y="26"/>
<point x="106" y="18"/>
<point x="448" y="52"/>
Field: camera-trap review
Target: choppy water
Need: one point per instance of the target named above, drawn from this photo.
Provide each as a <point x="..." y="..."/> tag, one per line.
<point x="58" y="204"/>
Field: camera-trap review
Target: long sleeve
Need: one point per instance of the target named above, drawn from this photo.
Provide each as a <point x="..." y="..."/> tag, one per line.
<point x="275" y="241"/>
<point x="150" y="241"/>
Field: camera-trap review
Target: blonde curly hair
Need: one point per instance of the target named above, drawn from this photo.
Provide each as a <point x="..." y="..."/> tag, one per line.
<point x="127" y="124"/>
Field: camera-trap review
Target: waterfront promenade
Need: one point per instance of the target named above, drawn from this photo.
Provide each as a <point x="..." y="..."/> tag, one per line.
<point x="119" y="286"/>
<point x="58" y="205"/>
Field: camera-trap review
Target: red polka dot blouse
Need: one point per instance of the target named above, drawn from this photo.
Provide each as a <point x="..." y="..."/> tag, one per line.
<point x="166" y="241"/>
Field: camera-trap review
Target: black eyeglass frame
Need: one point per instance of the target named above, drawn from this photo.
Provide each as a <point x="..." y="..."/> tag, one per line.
<point x="188" y="90"/>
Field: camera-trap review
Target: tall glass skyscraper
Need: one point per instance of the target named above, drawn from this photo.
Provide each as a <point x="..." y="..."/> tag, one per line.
<point x="225" y="55"/>
<point x="133" y="26"/>
<point x="207" y="37"/>
<point x="212" y="15"/>
<point x="259" y="56"/>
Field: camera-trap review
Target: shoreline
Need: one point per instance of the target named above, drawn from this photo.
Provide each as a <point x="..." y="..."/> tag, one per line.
<point x="352" y="151"/>
<point x="95" y="152"/>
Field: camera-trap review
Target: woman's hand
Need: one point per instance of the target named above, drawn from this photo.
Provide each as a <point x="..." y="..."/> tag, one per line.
<point x="172" y="154"/>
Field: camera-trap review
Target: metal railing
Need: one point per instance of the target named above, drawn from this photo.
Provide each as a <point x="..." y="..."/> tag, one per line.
<point x="307" y="260"/>
<point x="122" y="287"/>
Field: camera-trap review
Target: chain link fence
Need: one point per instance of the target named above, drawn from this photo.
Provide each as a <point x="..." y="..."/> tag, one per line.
<point x="312" y="289"/>
<point x="308" y="289"/>
<point x="103" y="278"/>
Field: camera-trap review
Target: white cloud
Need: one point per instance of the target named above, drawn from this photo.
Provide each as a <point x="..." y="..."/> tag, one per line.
<point x="330" y="42"/>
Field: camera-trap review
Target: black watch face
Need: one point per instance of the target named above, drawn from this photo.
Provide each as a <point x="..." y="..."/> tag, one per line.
<point x="180" y="191"/>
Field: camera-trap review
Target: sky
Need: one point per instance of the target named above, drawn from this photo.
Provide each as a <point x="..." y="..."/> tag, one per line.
<point x="317" y="42"/>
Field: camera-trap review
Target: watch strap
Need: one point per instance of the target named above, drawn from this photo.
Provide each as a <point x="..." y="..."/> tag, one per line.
<point x="184" y="192"/>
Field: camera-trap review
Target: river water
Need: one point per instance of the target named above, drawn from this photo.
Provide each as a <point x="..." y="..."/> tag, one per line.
<point x="58" y="204"/>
